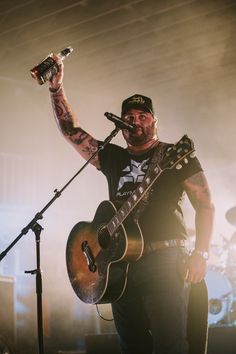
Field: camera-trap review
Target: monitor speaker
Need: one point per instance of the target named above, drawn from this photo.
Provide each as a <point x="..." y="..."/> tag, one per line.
<point x="102" y="344"/>
<point x="222" y="340"/>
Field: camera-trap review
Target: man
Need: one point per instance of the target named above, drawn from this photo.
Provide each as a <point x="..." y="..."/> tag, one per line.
<point x="151" y="316"/>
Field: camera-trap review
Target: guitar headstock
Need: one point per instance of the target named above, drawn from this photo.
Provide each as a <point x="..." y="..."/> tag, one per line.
<point x="178" y="154"/>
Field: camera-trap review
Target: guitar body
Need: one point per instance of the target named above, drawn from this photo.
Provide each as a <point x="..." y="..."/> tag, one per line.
<point x="98" y="262"/>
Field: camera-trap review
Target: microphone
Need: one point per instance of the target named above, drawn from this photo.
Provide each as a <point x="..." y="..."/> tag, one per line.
<point x="119" y="122"/>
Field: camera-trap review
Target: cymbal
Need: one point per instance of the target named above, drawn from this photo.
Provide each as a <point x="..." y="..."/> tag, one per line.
<point x="231" y="216"/>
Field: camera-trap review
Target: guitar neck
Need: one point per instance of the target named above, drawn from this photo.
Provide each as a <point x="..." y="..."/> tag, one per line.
<point x="133" y="200"/>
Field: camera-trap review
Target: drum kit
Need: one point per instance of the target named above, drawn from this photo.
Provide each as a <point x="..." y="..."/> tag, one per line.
<point x="221" y="279"/>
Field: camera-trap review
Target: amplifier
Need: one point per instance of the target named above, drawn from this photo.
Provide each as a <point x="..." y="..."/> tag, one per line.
<point x="7" y="310"/>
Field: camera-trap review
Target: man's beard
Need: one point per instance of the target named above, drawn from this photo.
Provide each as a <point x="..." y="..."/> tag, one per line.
<point x="147" y="135"/>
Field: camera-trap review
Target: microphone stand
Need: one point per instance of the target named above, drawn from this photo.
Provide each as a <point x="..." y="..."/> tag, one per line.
<point x="37" y="228"/>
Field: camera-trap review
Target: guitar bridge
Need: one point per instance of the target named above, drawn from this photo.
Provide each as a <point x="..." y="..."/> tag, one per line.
<point x="89" y="256"/>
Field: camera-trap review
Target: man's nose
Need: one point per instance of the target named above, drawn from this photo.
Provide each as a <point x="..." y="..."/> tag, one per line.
<point x="135" y="119"/>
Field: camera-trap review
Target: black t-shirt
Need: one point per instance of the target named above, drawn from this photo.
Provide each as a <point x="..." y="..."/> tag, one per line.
<point x="162" y="218"/>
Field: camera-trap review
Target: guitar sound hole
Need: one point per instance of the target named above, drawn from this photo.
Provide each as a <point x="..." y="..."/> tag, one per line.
<point x="104" y="237"/>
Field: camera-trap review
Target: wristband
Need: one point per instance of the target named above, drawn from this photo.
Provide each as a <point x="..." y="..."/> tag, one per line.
<point x="203" y="254"/>
<point x="55" y="90"/>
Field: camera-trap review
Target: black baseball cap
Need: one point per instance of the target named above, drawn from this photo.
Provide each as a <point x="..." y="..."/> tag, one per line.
<point x="137" y="101"/>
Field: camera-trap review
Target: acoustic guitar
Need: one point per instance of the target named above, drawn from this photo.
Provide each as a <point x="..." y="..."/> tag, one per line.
<point x="98" y="253"/>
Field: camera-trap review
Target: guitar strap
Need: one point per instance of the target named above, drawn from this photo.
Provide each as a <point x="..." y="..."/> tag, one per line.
<point x="155" y="160"/>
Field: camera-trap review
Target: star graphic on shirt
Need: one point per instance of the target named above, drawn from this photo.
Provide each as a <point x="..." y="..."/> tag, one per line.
<point x="135" y="173"/>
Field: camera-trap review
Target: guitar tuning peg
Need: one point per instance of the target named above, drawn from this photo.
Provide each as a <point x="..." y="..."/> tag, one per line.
<point x="185" y="160"/>
<point x="178" y="166"/>
<point x="192" y="155"/>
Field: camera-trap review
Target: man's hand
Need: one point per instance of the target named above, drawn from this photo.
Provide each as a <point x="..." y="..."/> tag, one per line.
<point x="56" y="81"/>
<point x="196" y="268"/>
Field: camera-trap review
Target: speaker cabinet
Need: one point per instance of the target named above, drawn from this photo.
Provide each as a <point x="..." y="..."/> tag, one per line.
<point x="7" y="311"/>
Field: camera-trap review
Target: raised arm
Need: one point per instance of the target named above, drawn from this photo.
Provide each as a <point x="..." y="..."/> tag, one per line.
<point x="66" y="120"/>
<point x="198" y="192"/>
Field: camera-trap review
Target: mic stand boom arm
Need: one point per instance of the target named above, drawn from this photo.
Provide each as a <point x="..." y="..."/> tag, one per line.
<point x="36" y="228"/>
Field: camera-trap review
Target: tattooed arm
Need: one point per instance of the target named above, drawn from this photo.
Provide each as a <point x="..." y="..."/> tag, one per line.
<point x="198" y="192"/>
<point x="67" y="122"/>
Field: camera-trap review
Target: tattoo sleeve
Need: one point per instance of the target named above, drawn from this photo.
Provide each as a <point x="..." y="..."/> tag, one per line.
<point x="199" y="194"/>
<point x="65" y="120"/>
<point x="91" y="147"/>
<point x="197" y="189"/>
<point x="82" y="141"/>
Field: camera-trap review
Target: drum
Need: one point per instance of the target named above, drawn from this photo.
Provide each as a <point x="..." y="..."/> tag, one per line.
<point x="231" y="260"/>
<point x="218" y="257"/>
<point x="220" y="297"/>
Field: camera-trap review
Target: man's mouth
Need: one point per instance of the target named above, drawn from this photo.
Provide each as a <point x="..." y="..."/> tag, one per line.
<point x="138" y="130"/>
